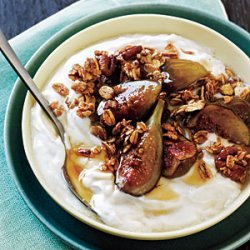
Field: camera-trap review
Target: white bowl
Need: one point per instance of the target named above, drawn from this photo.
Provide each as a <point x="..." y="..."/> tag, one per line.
<point x="223" y="49"/>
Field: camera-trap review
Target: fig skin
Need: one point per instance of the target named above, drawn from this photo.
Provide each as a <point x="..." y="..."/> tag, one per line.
<point x="134" y="100"/>
<point x="223" y="121"/>
<point x="239" y="106"/>
<point x="178" y="157"/>
<point x="183" y="73"/>
<point x="138" y="174"/>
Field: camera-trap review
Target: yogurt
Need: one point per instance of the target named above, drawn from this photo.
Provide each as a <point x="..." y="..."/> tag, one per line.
<point x="174" y="203"/>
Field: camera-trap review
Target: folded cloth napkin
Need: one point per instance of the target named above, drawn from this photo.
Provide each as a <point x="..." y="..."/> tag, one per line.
<point x="19" y="228"/>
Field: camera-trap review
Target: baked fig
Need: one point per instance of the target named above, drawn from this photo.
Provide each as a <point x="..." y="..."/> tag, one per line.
<point x="178" y="157"/>
<point x="140" y="169"/>
<point x="239" y="106"/>
<point x="222" y="121"/>
<point x="133" y="101"/>
<point x="183" y="73"/>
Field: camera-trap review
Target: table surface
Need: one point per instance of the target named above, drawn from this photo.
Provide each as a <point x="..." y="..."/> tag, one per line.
<point x="14" y="22"/>
<point x="29" y="12"/>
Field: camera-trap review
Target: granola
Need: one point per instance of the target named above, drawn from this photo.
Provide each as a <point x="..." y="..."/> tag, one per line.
<point x="96" y="83"/>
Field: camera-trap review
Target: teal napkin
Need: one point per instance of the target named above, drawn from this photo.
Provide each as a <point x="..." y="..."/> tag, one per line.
<point x="19" y="228"/>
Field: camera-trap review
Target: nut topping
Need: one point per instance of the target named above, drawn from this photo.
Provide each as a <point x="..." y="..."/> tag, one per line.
<point x="61" y="89"/>
<point x="106" y="92"/>
<point x="233" y="162"/>
<point x="204" y="171"/>
<point x="57" y="109"/>
<point x="200" y="136"/>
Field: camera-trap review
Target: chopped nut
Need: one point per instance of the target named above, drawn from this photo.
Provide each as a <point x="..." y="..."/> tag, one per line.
<point x="58" y="110"/>
<point x="71" y="104"/>
<point x="84" y="152"/>
<point x="226" y="89"/>
<point x="229" y="162"/>
<point x="83" y="87"/>
<point x="83" y="114"/>
<point x="107" y="64"/>
<point x="130" y="52"/>
<point x="214" y="148"/>
<point x="108" y="117"/>
<point x="204" y="171"/>
<point x="170" y="51"/>
<point x="75" y="72"/>
<point x="106" y="92"/>
<point x="200" y="136"/>
<point x="61" y="89"/>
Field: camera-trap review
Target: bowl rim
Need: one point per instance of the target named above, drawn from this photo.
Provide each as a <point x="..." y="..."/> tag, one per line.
<point x="57" y="39"/>
<point x="108" y="229"/>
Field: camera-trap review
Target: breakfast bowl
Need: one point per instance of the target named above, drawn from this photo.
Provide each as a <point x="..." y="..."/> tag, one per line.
<point x="147" y="27"/>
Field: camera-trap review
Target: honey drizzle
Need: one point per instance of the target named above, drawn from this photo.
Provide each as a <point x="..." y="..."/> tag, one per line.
<point x="162" y="191"/>
<point x="193" y="178"/>
<point x="74" y="169"/>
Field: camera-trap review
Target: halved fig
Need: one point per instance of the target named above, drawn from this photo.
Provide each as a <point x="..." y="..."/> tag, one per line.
<point x="223" y="121"/>
<point x="183" y="73"/>
<point x="239" y="106"/>
<point x="178" y="157"/>
<point x="139" y="172"/>
<point x="133" y="101"/>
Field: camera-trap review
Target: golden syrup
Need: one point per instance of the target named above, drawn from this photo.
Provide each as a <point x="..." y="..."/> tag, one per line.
<point x="155" y="212"/>
<point x="162" y="191"/>
<point x="74" y="169"/>
<point x="193" y="178"/>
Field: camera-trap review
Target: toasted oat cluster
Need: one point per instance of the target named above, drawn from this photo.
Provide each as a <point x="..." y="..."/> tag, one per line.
<point x="118" y="91"/>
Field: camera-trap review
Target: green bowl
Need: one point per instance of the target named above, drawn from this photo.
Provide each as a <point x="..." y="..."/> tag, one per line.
<point x="14" y="116"/>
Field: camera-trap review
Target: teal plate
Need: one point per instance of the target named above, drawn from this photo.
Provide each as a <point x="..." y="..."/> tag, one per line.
<point x="228" y="234"/>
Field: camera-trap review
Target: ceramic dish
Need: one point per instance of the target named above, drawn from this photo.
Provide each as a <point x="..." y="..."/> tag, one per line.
<point x="223" y="49"/>
<point x="23" y="173"/>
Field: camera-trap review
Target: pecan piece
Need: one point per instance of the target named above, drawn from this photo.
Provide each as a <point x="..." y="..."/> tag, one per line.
<point x="204" y="171"/>
<point x="200" y="136"/>
<point x="233" y="162"/>
<point x="131" y="51"/>
<point x="107" y="64"/>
